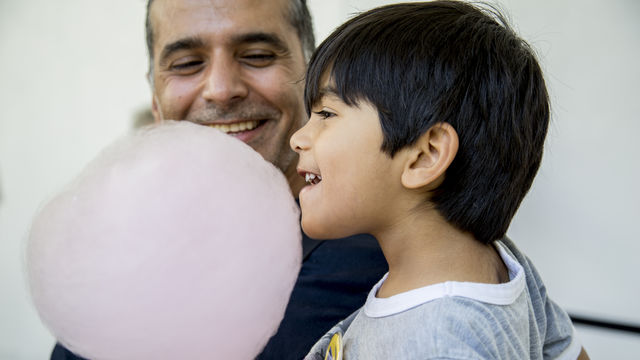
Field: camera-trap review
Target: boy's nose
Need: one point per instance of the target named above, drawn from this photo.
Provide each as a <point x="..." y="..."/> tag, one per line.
<point x="300" y="140"/>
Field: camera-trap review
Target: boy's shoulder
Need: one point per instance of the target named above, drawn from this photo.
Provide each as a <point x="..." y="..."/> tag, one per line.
<point x="462" y="320"/>
<point x="466" y="320"/>
<point x="447" y="327"/>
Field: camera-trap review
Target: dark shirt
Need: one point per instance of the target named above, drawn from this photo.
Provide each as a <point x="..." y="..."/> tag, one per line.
<point x="334" y="281"/>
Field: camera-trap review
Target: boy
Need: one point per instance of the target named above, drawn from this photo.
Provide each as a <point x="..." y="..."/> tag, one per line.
<point x="426" y="130"/>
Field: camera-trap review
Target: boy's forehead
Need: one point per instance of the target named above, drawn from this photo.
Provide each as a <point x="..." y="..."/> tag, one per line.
<point x="327" y="88"/>
<point x="327" y="91"/>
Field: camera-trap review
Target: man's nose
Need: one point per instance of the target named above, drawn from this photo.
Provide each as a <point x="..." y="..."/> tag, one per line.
<point x="224" y="81"/>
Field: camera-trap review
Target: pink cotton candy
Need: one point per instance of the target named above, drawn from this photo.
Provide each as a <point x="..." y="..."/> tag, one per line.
<point x="177" y="242"/>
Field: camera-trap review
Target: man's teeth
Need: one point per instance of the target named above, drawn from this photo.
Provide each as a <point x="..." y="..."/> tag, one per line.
<point x="236" y="127"/>
<point x="312" y="178"/>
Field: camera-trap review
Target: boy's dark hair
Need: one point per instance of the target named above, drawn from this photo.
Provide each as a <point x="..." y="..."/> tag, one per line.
<point x="421" y="64"/>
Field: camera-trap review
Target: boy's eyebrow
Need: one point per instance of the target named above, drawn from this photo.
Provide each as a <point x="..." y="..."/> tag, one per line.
<point x="181" y="44"/>
<point x="327" y="91"/>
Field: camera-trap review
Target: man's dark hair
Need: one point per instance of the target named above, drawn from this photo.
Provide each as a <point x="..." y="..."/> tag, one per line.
<point x="421" y="64"/>
<point x="299" y="17"/>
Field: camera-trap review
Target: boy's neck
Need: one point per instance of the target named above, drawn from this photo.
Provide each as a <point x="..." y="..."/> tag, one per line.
<point x="424" y="249"/>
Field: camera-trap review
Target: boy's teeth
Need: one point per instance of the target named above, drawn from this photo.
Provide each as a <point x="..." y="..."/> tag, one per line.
<point x="312" y="178"/>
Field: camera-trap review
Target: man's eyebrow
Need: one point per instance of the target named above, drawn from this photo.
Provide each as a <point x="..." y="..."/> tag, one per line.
<point x="181" y="44"/>
<point x="261" y="37"/>
<point x="248" y="38"/>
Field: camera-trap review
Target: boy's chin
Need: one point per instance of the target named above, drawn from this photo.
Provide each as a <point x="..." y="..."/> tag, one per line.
<point x="318" y="232"/>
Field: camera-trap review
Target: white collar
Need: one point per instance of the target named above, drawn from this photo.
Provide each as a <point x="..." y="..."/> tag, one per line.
<point x="498" y="294"/>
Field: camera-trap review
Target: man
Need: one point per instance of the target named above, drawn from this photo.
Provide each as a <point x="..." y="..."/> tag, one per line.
<point x="238" y="65"/>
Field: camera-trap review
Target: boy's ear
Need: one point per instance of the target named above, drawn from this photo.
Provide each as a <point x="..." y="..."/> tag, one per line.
<point x="430" y="157"/>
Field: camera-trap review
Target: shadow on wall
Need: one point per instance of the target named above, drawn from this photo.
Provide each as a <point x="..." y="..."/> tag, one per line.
<point x="142" y="117"/>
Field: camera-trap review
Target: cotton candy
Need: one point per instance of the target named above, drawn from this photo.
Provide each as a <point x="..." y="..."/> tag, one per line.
<point x="177" y="242"/>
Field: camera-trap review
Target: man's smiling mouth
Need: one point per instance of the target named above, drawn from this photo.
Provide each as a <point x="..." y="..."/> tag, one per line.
<point x="236" y="127"/>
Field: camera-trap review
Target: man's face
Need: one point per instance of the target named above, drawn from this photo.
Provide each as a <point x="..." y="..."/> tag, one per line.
<point x="232" y="64"/>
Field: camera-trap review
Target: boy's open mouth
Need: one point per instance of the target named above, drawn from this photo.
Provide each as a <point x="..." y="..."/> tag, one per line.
<point x="312" y="179"/>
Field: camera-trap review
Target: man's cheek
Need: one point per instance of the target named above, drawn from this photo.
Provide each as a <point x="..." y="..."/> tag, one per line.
<point x="176" y="99"/>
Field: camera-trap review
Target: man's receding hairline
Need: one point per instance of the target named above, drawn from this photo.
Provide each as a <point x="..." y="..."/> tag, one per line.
<point x="289" y="15"/>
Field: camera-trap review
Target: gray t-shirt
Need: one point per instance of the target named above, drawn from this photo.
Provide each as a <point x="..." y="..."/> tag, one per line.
<point x="460" y="320"/>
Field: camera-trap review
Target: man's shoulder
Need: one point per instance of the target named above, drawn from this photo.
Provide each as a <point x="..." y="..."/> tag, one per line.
<point x="334" y="281"/>
<point x="61" y="353"/>
<point x="360" y="253"/>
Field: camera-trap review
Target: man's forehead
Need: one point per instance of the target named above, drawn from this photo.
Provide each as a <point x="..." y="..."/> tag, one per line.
<point x="218" y="5"/>
<point x="172" y="18"/>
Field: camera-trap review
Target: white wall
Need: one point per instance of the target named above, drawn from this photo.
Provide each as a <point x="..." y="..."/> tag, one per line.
<point x="72" y="78"/>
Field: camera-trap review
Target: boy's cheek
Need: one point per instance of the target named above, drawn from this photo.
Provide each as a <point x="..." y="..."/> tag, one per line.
<point x="311" y="226"/>
<point x="317" y="220"/>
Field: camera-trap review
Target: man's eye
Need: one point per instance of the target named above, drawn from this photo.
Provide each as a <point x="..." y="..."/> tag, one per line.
<point x="324" y="114"/>
<point x="186" y="66"/>
<point x="258" y="59"/>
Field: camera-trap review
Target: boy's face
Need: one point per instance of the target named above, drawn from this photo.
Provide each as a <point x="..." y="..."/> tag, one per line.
<point x="354" y="180"/>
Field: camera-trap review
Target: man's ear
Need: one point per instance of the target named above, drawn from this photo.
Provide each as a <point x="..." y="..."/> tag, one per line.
<point x="155" y="110"/>
<point x="430" y="157"/>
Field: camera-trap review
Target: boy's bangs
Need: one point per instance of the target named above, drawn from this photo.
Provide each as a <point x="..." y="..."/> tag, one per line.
<point x="343" y="65"/>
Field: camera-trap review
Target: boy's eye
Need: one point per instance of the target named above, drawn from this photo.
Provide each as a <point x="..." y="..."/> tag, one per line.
<point x="324" y="114"/>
